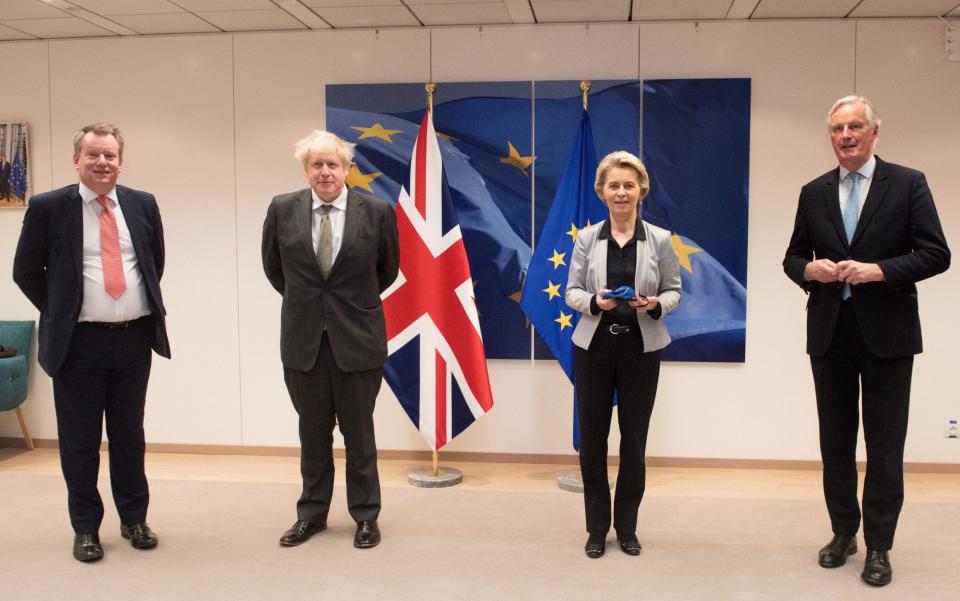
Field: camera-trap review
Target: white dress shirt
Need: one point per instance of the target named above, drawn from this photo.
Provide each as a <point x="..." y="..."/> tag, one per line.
<point x="98" y="305"/>
<point x="338" y="218"/>
<point x="866" y="178"/>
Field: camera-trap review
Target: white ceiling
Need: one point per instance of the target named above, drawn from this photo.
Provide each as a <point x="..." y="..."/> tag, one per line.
<point x="43" y="19"/>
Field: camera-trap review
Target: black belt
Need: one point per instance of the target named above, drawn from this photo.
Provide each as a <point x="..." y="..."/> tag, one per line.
<point x="111" y="325"/>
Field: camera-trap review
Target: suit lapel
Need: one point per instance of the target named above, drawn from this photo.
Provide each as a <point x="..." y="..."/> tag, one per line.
<point x="356" y="211"/>
<point x="73" y="208"/>
<point x="304" y="210"/>
<point x="831" y="196"/>
<point x="875" y="198"/>
<point x="131" y="218"/>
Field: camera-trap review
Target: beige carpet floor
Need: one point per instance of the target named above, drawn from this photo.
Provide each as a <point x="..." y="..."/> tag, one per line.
<point x="219" y="542"/>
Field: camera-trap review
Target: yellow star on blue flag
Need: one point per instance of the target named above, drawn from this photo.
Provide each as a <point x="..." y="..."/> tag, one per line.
<point x="377" y="131"/>
<point x="557" y="259"/>
<point x="552" y="289"/>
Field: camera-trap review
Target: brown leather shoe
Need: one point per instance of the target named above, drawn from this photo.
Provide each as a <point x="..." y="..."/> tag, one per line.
<point x="367" y="536"/>
<point x="140" y="535"/>
<point x="86" y="547"/>
<point x="876" y="569"/>
<point x="835" y="553"/>
<point x="300" y="532"/>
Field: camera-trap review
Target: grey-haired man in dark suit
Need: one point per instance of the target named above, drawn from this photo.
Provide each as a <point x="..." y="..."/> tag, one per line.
<point x="865" y="233"/>
<point x="330" y="252"/>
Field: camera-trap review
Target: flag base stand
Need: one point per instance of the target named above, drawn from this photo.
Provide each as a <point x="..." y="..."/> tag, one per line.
<point x="571" y="482"/>
<point x="446" y="476"/>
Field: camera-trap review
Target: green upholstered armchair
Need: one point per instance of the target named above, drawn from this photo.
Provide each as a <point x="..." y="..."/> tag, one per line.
<point x="14" y="370"/>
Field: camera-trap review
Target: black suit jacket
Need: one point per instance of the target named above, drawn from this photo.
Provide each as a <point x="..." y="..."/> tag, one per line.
<point x="898" y="229"/>
<point x="347" y="303"/>
<point x="5" y="170"/>
<point x="48" y="265"/>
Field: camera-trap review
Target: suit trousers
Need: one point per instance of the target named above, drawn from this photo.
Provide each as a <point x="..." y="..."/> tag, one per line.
<point x="323" y="397"/>
<point x="614" y="363"/>
<point x="105" y="374"/>
<point x="838" y="375"/>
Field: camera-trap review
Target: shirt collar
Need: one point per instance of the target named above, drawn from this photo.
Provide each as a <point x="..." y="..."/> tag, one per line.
<point x="89" y="195"/>
<point x="866" y="170"/>
<point x="638" y="232"/>
<point x="339" y="203"/>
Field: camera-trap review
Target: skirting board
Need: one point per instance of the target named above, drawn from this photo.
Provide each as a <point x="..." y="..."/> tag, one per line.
<point x="448" y="456"/>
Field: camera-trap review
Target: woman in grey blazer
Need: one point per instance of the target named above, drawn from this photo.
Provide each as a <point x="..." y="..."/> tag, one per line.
<point x="618" y="341"/>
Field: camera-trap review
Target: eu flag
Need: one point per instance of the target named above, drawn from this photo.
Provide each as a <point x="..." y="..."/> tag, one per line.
<point x="18" y="176"/>
<point x="575" y="206"/>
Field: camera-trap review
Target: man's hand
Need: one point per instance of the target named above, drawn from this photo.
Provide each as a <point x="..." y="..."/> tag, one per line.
<point x="855" y="272"/>
<point x="824" y="271"/>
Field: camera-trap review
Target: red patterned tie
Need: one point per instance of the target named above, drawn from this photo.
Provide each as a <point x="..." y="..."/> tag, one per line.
<point x="113" y="279"/>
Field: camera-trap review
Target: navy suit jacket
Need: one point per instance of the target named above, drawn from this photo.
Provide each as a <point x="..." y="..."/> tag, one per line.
<point x="898" y="229"/>
<point x="48" y="265"/>
<point x="347" y="303"/>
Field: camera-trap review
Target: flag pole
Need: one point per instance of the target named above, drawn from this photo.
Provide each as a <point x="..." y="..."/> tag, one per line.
<point x="431" y="87"/>
<point x="571" y="481"/>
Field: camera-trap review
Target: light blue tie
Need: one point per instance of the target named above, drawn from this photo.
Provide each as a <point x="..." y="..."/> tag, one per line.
<point x="850" y="217"/>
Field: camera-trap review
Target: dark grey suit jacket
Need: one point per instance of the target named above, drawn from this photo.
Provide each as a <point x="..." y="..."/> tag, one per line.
<point x="346" y="304"/>
<point x="898" y="229"/>
<point x="48" y="266"/>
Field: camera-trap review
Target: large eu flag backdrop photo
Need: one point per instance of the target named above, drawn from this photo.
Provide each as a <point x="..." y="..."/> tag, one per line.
<point x="504" y="147"/>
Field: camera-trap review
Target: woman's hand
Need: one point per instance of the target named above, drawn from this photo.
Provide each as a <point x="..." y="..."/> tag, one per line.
<point x="647" y="303"/>
<point x="605" y="304"/>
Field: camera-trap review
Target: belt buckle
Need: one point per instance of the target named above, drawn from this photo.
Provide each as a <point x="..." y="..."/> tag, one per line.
<point x="616" y="329"/>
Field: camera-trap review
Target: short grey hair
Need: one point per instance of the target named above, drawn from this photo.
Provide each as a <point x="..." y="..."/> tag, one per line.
<point x="873" y="119"/>
<point x="318" y="141"/>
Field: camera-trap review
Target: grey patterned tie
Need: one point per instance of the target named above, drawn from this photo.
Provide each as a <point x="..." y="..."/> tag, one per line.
<point x="325" y="247"/>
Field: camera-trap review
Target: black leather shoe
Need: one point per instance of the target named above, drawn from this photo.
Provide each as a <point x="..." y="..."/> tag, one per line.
<point x="300" y="532"/>
<point x="140" y="535"/>
<point x="596" y="545"/>
<point x="367" y="536"/>
<point x="86" y="547"/>
<point x="630" y="545"/>
<point x="837" y="550"/>
<point x="877" y="570"/>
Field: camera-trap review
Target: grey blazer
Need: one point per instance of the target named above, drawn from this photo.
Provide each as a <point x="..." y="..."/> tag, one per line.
<point x="346" y="304"/>
<point x="658" y="274"/>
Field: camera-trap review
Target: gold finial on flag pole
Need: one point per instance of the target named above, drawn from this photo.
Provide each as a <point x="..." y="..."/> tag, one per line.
<point x="585" y="86"/>
<point x="430" y="87"/>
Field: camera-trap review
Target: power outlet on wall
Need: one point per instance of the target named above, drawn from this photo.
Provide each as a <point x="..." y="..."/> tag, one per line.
<point x="952" y="429"/>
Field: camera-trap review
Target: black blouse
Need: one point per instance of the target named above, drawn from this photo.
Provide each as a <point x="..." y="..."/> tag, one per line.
<point x="621" y="271"/>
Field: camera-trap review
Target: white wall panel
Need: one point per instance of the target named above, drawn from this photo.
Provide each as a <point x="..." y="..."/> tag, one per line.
<point x="535" y="52"/>
<point x="29" y="100"/>
<point x="918" y="108"/>
<point x="173" y="100"/>
<point x="764" y="407"/>
<point x="280" y="81"/>
<point x="211" y="121"/>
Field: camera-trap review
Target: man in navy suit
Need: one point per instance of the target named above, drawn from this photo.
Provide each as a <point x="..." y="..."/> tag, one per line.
<point x="90" y="258"/>
<point x="865" y="233"/>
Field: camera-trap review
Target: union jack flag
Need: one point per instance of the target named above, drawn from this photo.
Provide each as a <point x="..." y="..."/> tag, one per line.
<point x="436" y="366"/>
